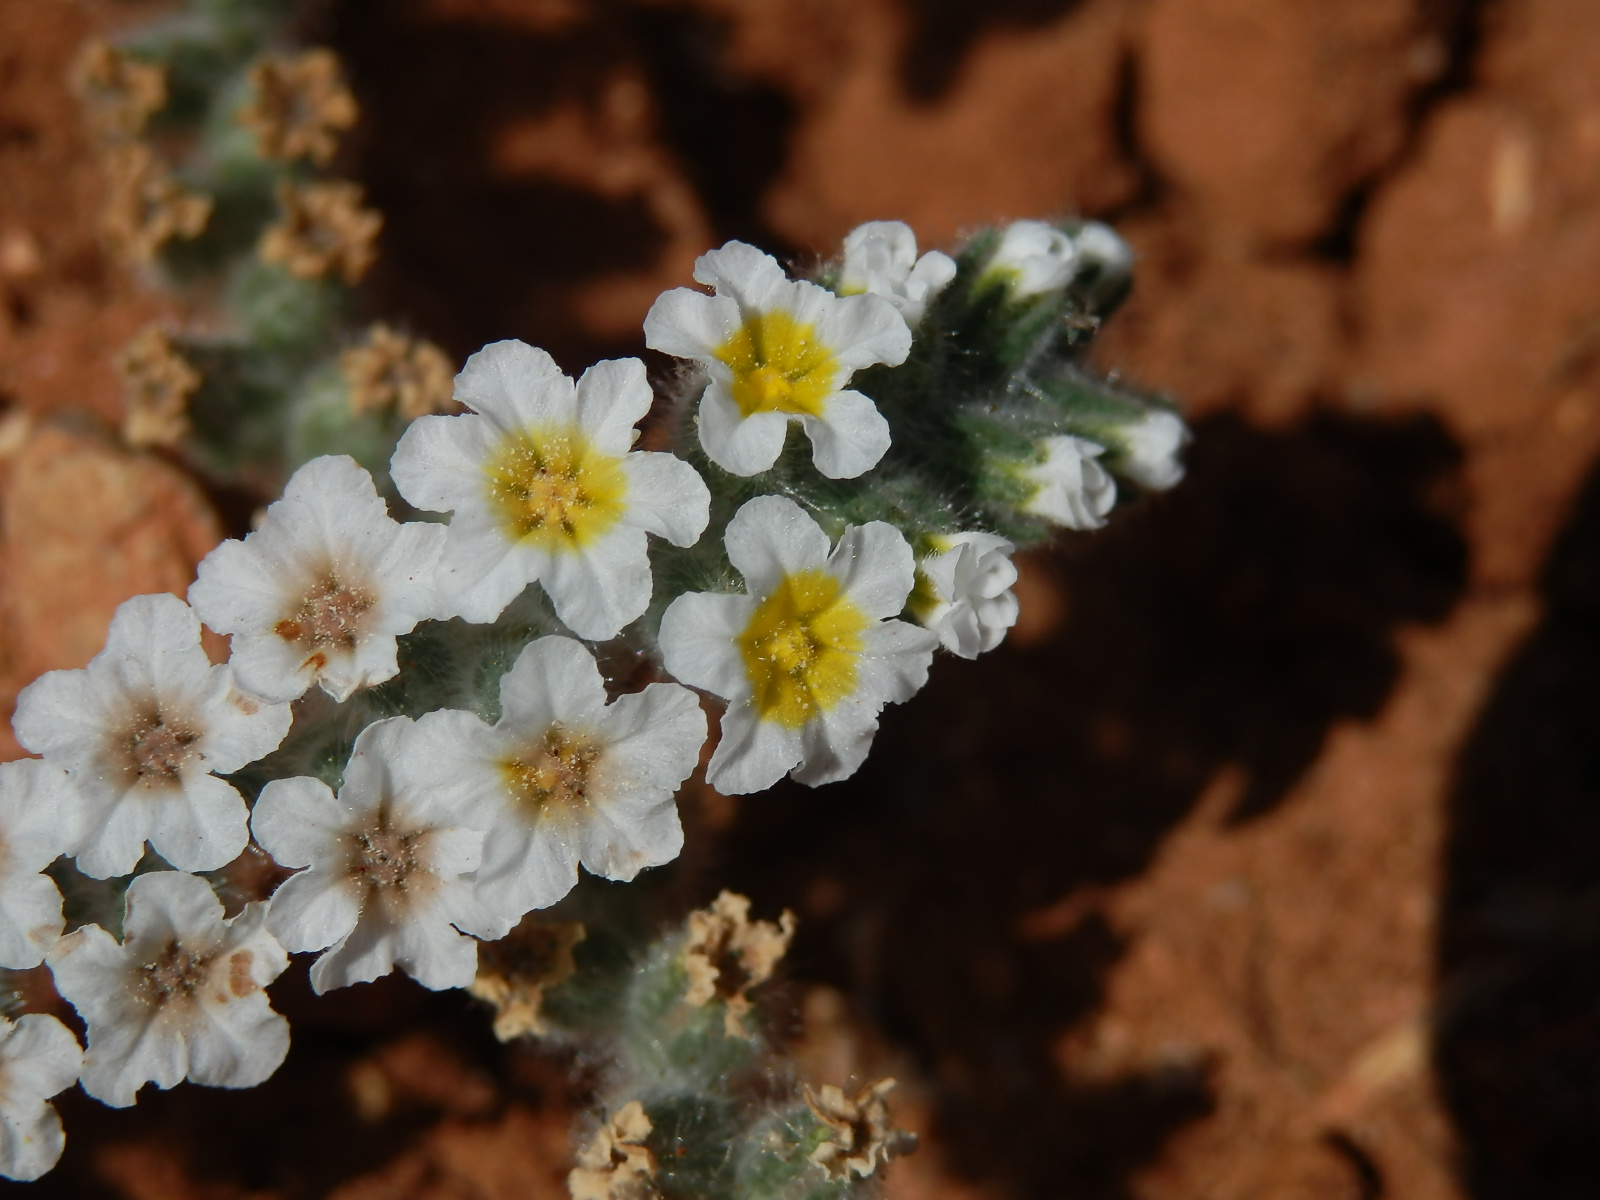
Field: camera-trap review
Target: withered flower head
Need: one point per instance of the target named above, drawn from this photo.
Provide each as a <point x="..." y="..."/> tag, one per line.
<point x="616" y="1164"/>
<point x="298" y="106"/>
<point x="727" y="954"/>
<point x="118" y="91"/>
<point x="146" y="206"/>
<point x="322" y="228"/>
<point x="859" y="1137"/>
<point x="390" y="369"/>
<point x="514" y="972"/>
<point x="157" y="381"/>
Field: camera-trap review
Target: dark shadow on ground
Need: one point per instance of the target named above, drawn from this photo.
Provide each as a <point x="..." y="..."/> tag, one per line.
<point x="1517" y="1044"/>
<point x="1231" y="622"/>
<point x="941" y="34"/>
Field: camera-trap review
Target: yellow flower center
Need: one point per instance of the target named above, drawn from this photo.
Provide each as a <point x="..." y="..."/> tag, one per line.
<point x="779" y="365"/>
<point x="800" y="648"/>
<point x="550" y="775"/>
<point x="552" y="488"/>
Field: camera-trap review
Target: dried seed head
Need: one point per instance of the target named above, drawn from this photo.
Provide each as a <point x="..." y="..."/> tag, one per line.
<point x="321" y="229"/>
<point x="299" y="106"/>
<point x="514" y="972"/>
<point x="118" y="91"/>
<point x="859" y="1138"/>
<point x="389" y="369"/>
<point x="157" y="383"/>
<point x="727" y="954"/>
<point x="145" y="205"/>
<point x="616" y="1164"/>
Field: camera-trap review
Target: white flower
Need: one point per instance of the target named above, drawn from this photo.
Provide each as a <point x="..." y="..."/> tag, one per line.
<point x="1101" y="247"/>
<point x="387" y="858"/>
<point x="38" y="1058"/>
<point x="1146" y="450"/>
<point x="544" y="487"/>
<point x="806" y="660"/>
<point x="1069" y="486"/>
<point x="880" y="257"/>
<point x="38" y="823"/>
<point x="563" y="777"/>
<point x="320" y="591"/>
<point x="1033" y="258"/>
<point x="140" y="731"/>
<point x="779" y="350"/>
<point x="963" y="591"/>
<point x="182" y="997"/>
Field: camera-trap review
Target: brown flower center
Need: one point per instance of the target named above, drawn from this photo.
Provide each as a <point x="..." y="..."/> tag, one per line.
<point x="173" y="974"/>
<point x="383" y="857"/>
<point x="331" y="614"/>
<point x="159" y="748"/>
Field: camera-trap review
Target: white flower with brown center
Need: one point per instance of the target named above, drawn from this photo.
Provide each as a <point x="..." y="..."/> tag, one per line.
<point x="38" y="823"/>
<point x="144" y="730"/>
<point x="963" y="591"/>
<point x="387" y="859"/>
<point x="780" y="350"/>
<point x="563" y="777"/>
<point x="321" y="590"/>
<point x="542" y="486"/>
<point x="38" y="1058"/>
<point x="880" y="257"/>
<point x="181" y="997"/>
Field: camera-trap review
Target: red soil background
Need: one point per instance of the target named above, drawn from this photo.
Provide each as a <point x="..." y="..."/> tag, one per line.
<point x="1262" y="861"/>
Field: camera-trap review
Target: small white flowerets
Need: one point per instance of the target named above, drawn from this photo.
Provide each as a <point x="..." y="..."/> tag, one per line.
<point x="779" y="350"/>
<point x="320" y="591"/>
<point x="182" y="997"/>
<point x="963" y="592"/>
<point x="141" y="730"/>
<point x="38" y="811"/>
<point x="807" y="659"/>
<point x="39" y="1057"/>
<point x="1146" y="451"/>
<point x="563" y="777"/>
<point x="1069" y="486"/>
<point x="1033" y="258"/>
<point x="880" y="257"/>
<point x="388" y="859"/>
<point x="543" y="486"/>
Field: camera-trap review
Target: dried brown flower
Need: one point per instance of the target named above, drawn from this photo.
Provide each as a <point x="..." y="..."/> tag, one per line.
<point x="146" y="206"/>
<point x="158" y="382"/>
<point x="390" y="369"/>
<point x="514" y="972"/>
<point x="299" y="106"/>
<point x="727" y="954"/>
<point x="616" y="1164"/>
<point x="322" y="228"/>
<point x="119" y="92"/>
<point x="859" y="1137"/>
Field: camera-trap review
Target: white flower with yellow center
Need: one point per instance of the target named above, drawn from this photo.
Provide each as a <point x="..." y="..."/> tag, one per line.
<point x="38" y="823"/>
<point x="543" y="486"/>
<point x="779" y="350"/>
<point x="963" y="591"/>
<point x="1070" y="487"/>
<point x="183" y="996"/>
<point x="880" y="257"/>
<point x="1032" y="258"/>
<point x="141" y="730"/>
<point x="808" y="658"/>
<point x="39" y="1057"/>
<point x="321" y="590"/>
<point x="564" y="778"/>
<point x="387" y="859"/>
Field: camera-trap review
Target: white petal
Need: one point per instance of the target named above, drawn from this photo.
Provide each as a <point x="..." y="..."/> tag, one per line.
<point x="171" y="905"/>
<point x="90" y="971"/>
<point x="894" y="662"/>
<point x="300" y="822"/>
<point x="365" y="954"/>
<point x="240" y="1041"/>
<point x="30" y="919"/>
<point x="630" y="832"/>
<point x="738" y="444"/>
<point x="751" y="276"/>
<point x="554" y="680"/>
<point x="482" y="570"/>
<point x="752" y="754"/>
<point x="241" y="728"/>
<point x="666" y="497"/>
<point x="601" y="587"/>
<point x="653" y="738"/>
<point x="201" y="827"/>
<point x="863" y="330"/>
<point x="837" y="742"/>
<point x="850" y="438"/>
<point x="875" y="566"/>
<point x="697" y="642"/>
<point x="114" y="834"/>
<point x="62" y="715"/>
<point x="31" y="1139"/>
<point x="613" y="396"/>
<point x="40" y="810"/>
<point x="438" y="464"/>
<point x="690" y="324"/>
<point x="525" y="867"/>
<point x="515" y="385"/>
<point x="41" y="1056"/>
<point x="771" y="537"/>
<point x="313" y="910"/>
<point x="153" y="644"/>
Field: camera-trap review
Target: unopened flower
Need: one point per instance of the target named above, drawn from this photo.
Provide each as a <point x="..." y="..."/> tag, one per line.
<point x="157" y="383"/>
<point x="183" y="996"/>
<point x="1100" y="249"/>
<point x="39" y="1057"/>
<point x="859" y="1138"/>
<point x="320" y="591"/>
<point x="963" y="591"/>
<point x="119" y="91"/>
<point x="564" y="778"/>
<point x="322" y="229"/>
<point x="390" y="370"/>
<point x="543" y="486"/>
<point x="298" y="106"/>
<point x="616" y="1164"/>
<point x="387" y="859"/>
<point x="514" y="973"/>
<point x="1146" y="450"/>
<point x="779" y="350"/>
<point x="143" y="731"/>
<point x="1069" y="486"/>
<point x="808" y="657"/>
<point x="1032" y="258"/>
<point x="727" y="954"/>
<point x="38" y="823"/>
<point x="880" y="257"/>
<point x="145" y="205"/>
